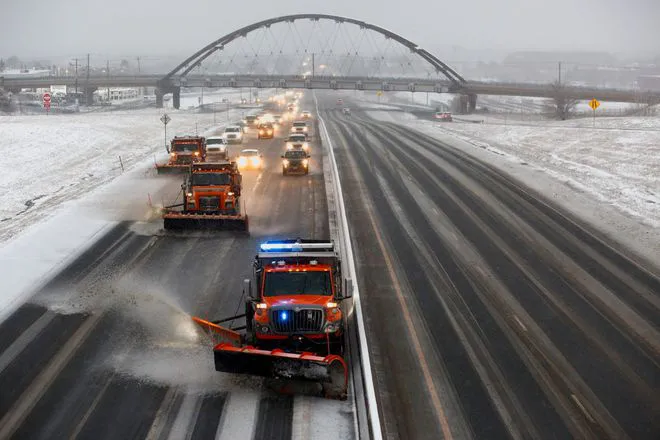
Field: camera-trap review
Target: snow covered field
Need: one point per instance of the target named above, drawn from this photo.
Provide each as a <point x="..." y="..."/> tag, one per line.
<point x="609" y="175"/>
<point x="49" y="160"/>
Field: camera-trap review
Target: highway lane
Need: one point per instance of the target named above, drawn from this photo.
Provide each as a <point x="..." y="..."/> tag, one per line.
<point x="106" y="349"/>
<point x="491" y="313"/>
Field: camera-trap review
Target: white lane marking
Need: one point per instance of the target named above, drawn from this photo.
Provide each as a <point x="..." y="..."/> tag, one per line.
<point x="185" y="419"/>
<point x="239" y="417"/>
<point x="24" y="339"/>
<point x="522" y="326"/>
<point x="374" y="417"/>
<point x="582" y="408"/>
<point x="161" y="417"/>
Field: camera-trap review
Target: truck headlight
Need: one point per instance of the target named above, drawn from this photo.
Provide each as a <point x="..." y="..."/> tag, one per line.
<point x="242" y="161"/>
<point x="172" y="154"/>
<point x="264" y="329"/>
<point x="331" y="328"/>
<point x="285" y="162"/>
<point x="305" y="162"/>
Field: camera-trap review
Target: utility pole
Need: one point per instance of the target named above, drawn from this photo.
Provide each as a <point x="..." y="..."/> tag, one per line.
<point x="87" y="94"/>
<point x="107" y="72"/>
<point x="76" y="60"/>
<point x="138" y="61"/>
<point x="559" y="67"/>
<point x="313" y="64"/>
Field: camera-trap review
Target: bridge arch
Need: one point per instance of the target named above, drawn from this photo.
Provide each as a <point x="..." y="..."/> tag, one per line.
<point x="198" y="57"/>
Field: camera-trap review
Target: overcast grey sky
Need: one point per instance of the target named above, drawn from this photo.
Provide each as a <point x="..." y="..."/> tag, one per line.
<point x="53" y="28"/>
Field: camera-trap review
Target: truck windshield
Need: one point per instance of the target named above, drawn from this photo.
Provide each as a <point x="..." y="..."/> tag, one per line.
<point x="295" y="154"/>
<point x="297" y="283"/>
<point x="204" y="179"/>
<point x="189" y="148"/>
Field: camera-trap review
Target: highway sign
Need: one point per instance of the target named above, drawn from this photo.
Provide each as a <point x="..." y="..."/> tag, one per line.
<point x="165" y="119"/>
<point x="594" y="104"/>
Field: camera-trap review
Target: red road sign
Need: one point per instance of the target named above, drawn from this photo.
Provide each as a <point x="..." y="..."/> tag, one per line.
<point x="46" y="97"/>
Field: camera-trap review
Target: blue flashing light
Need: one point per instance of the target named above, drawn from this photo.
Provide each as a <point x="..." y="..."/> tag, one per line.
<point x="284" y="316"/>
<point x="275" y="246"/>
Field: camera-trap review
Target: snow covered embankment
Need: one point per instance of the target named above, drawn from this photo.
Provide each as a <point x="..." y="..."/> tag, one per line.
<point x="49" y="160"/>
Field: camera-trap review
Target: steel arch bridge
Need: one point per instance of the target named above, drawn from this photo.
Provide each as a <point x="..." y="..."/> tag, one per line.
<point x="446" y="79"/>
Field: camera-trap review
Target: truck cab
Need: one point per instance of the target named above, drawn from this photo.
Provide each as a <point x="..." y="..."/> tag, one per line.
<point x="185" y="150"/>
<point x="295" y="299"/>
<point x="213" y="187"/>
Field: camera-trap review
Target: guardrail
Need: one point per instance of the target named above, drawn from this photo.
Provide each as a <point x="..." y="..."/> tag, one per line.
<point x="346" y="252"/>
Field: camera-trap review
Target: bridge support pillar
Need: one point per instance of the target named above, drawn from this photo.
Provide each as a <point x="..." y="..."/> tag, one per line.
<point x="89" y="95"/>
<point x="159" y="98"/>
<point x="468" y="103"/>
<point x="176" y="98"/>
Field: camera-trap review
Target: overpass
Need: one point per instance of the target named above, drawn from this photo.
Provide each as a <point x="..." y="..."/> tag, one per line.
<point x="260" y="72"/>
<point x="469" y="88"/>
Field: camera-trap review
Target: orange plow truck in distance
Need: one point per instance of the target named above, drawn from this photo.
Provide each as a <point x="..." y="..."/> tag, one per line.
<point x="184" y="150"/>
<point x="211" y="199"/>
<point x="294" y="324"/>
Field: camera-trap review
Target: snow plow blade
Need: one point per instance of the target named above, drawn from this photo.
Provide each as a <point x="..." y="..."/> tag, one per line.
<point x="181" y="221"/>
<point x="173" y="169"/>
<point x="329" y="371"/>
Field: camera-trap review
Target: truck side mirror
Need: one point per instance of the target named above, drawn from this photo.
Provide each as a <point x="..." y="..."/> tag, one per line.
<point x="348" y="289"/>
<point x="247" y="288"/>
<point x="282" y="156"/>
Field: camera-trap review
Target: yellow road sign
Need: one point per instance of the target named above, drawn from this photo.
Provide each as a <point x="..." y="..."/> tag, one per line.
<point x="379" y="93"/>
<point x="594" y="104"/>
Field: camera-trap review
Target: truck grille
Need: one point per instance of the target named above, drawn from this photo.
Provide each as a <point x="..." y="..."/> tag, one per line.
<point x="184" y="159"/>
<point x="209" y="203"/>
<point x="297" y="321"/>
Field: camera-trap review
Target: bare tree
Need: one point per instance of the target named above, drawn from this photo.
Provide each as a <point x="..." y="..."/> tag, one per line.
<point x="561" y="103"/>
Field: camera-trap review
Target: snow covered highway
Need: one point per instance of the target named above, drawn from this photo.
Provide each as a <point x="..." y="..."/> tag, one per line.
<point x="511" y="316"/>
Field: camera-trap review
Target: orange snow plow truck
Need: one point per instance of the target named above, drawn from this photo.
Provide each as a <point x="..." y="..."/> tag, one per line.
<point x="294" y="325"/>
<point x="211" y="199"/>
<point x="184" y="150"/>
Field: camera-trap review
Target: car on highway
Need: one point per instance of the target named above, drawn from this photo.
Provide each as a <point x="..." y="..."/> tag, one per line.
<point x="297" y="142"/>
<point x="299" y="127"/>
<point x="251" y="120"/>
<point x="243" y="125"/>
<point x="295" y="162"/>
<point x="250" y="159"/>
<point x="346" y="111"/>
<point x="340" y="101"/>
<point x="443" y="116"/>
<point x="305" y="114"/>
<point x="216" y="149"/>
<point x="266" y="131"/>
<point x="233" y="134"/>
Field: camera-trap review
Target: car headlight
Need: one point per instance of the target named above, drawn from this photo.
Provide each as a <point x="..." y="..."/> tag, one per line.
<point x="305" y="146"/>
<point x="285" y="162"/>
<point x="242" y="161"/>
<point x="261" y="132"/>
<point x="289" y="147"/>
<point x="305" y="162"/>
<point x="304" y="128"/>
<point x="255" y="161"/>
<point x="172" y="154"/>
